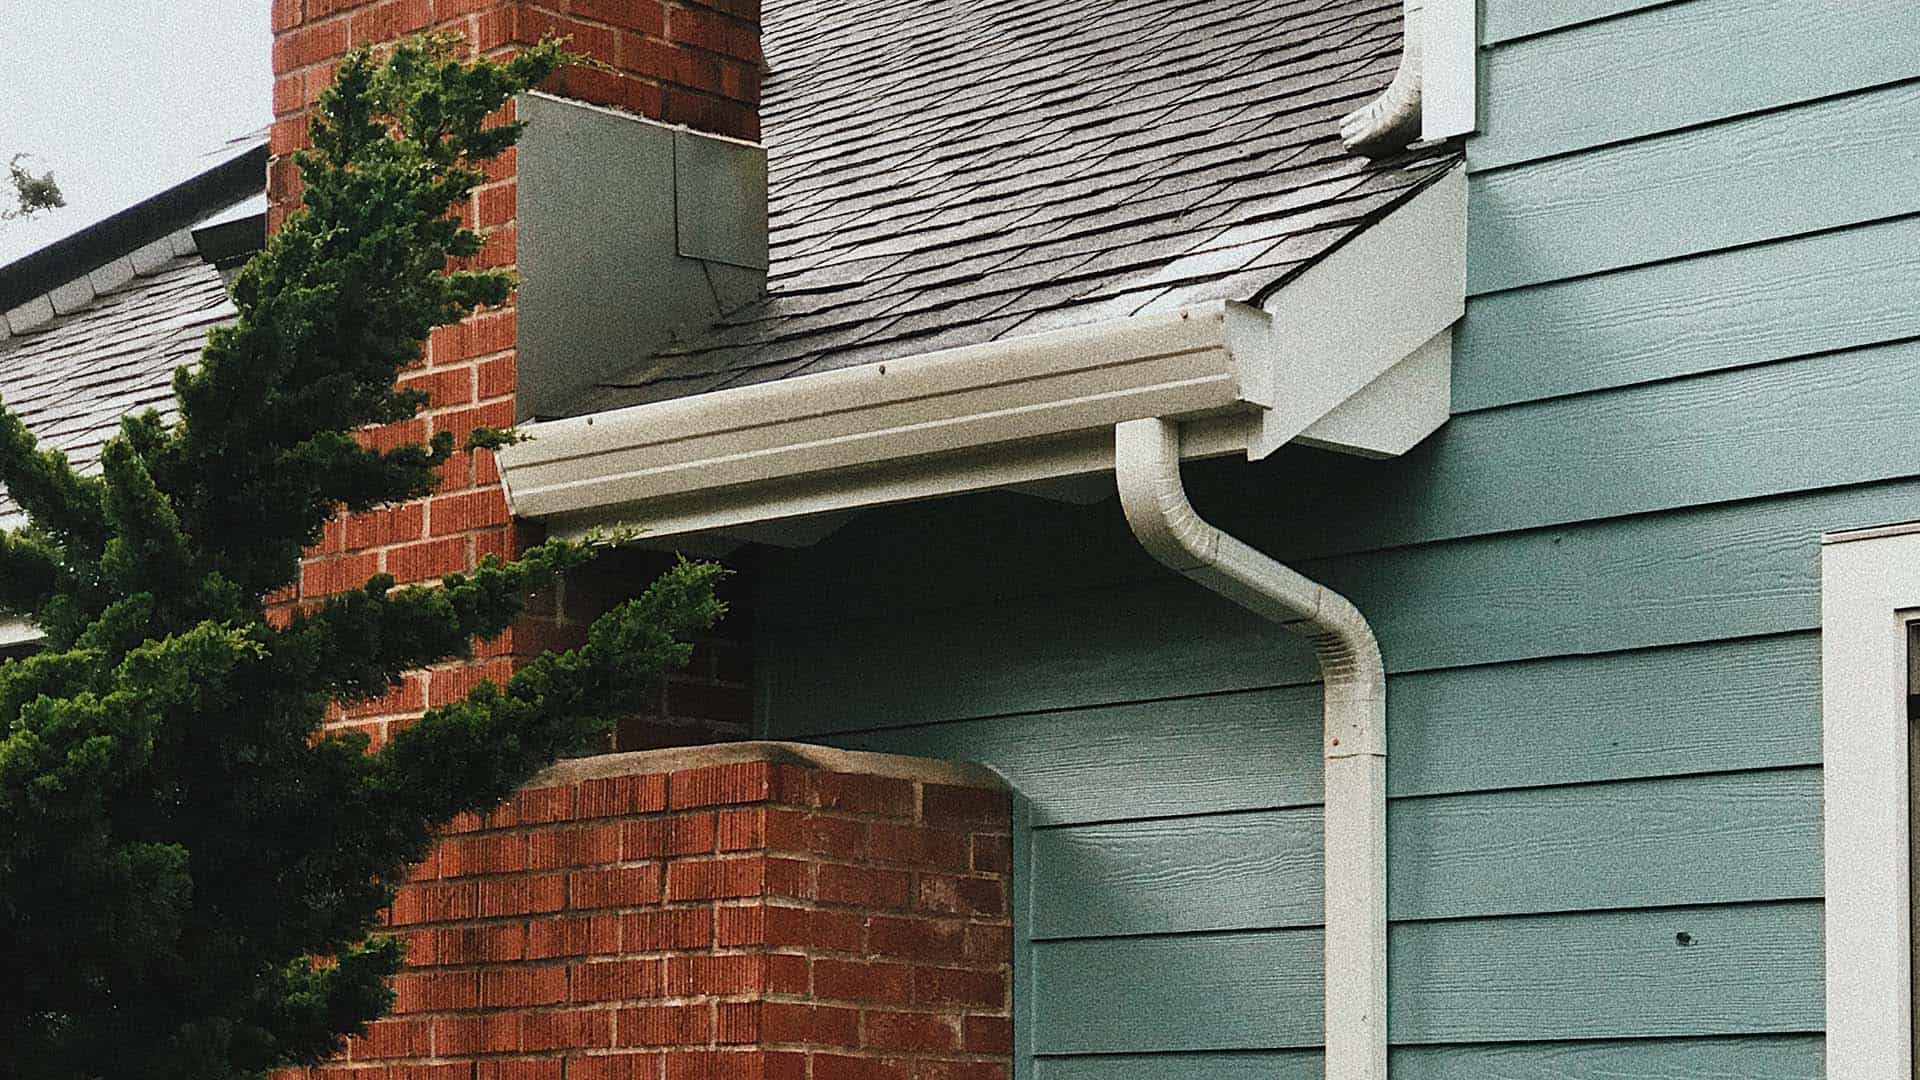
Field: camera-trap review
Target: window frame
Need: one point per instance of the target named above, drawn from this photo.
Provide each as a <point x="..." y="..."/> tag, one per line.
<point x="1869" y="593"/>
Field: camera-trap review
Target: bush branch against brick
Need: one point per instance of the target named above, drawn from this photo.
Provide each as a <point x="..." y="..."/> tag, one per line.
<point x="179" y="835"/>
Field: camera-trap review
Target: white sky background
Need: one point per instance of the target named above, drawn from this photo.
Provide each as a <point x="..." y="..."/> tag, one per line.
<point x="123" y="98"/>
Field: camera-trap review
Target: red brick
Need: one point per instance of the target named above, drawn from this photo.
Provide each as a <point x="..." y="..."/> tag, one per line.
<point x="719" y="879"/>
<point x="480" y="944"/>
<point x="624" y="887"/>
<point x="855" y="794"/>
<point x="392" y="1039"/>
<point x="535" y="895"/>
<point x="493" y="854"/>
<point x="489" y="1033"/>
<point x="988" y="944"/>
<point x="592" y="845"/>
<point x="945" y="804"/>
<point x="497" y="377"/>
<point x="448" y="685"/>
<point x="663" y="1025"/>
<point x="573" y="936"/>
<point x="444" y="388"/>
<point x="714" y="33"/>
<point x="954" y="986"/>
<point x="389" y="21"/>
<point x="429" y="559"/>
<point x="323" y="577"/>
<point x="912" y="1032"/>
<point x="993" y="853"/>
<point x="837" y="837"/>
<point x="717" y="785"/>
<point x="618" y="980"/>
<point x="691" y="834"/>
<point x="863" y="886"/>
<point x="309" y="45"/>
<point x="734" y="973"/>
<point x="377" y="528"/>
<point x="916" y="939"/>
<point x="961" y="895"/>
<point x="518" y="986"/>
<point x="677" y="928"/>
<point x="989" y="1034"/>
<point x="461" y="422"/>
<point x="464" y="513"/>
<point x="567" y="1030"/>
<point x="742" y="830"/>
<point x="542" y="805"/>
<point x="843" y="980"/>
<point x="917" y="846"/>
<point x="435" y="991"/>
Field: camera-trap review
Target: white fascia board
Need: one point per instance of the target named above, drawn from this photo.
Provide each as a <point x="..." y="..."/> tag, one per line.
<point x="1450" y="47"/>
<point x="1008" y="413"/>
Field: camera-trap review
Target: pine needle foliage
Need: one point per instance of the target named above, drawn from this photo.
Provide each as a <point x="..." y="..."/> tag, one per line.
<point x="192" y="871"/>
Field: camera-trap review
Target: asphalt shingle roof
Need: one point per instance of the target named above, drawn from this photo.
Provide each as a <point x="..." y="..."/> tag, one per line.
<point x="948" y="172"/>
<point x="72" y="379"/>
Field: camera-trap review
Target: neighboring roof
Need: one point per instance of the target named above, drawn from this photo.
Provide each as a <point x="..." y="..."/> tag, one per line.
<point x="945" y="173"/>
<point x="72" y="380"/>
<point x="101" y="319"/>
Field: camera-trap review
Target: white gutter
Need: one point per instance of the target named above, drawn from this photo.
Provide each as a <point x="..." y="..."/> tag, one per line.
<point x="1352" y="355"/>
<point x="1147" y="465"/>
<point x="1433" y="95"/>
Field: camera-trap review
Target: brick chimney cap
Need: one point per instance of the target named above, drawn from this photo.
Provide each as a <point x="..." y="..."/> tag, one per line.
<point x="804" y="755"/>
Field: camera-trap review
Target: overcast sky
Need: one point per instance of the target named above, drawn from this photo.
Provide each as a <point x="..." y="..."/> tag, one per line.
<point x="122" y="98"/>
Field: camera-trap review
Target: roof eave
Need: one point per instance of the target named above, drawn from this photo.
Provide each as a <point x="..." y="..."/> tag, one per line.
<point x="1353" y="354"/>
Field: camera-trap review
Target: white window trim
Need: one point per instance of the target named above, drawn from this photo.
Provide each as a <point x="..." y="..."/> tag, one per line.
<point x="1869" y="591"/>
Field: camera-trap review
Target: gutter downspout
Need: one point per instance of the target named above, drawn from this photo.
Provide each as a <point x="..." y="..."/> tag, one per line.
<point x="1391" y="122"/>
<point x="1147" y="467"/>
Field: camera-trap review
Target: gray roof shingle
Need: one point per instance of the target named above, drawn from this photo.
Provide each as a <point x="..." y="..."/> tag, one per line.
<point x="949" y="172"/>
<point x="72" y="379"/>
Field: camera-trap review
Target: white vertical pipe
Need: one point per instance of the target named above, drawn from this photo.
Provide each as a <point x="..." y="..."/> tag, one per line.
<point x="1147" y="467"/>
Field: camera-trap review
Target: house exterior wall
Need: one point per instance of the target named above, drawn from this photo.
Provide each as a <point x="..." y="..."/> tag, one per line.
<point x="693" y="62"/>
<point x="1689" y="352"/>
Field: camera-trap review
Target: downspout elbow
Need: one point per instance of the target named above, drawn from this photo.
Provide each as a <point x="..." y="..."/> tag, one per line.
<point x="1147" y="468"/>
<point x="1147" y="455"/>
<point x="1391" y="122"/>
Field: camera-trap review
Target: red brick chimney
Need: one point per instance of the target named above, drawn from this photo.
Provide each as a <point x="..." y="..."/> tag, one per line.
<point x="694" y="63"/>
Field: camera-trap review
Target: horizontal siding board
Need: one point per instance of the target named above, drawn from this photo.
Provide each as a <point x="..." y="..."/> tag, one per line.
<point x="1688" y="840"/>
<point x="1672" y="67"/>
<point x="1737" y="837"/>
<point x="1225" y="752"/>
<point x="1816" y="166"/>
<point x="1212" y="992"/>
<point x="1747" y="969"/>
<point x="1775" y="1057"/>
<point x="1715" y="573"/>
<point x="1832" y="291"/>
<point x="1232" y="872"/>
<point x="1818" y="422"/>
<point x="1504" y="20"/>
<point x="1750" y="703"/>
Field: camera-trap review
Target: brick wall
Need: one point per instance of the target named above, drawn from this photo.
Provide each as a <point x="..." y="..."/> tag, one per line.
<point x="750" y="912"/>
<point x="685" y="61"/>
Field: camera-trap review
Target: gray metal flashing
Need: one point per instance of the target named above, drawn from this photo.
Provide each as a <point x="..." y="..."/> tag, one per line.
<point x="629" y="231"/>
